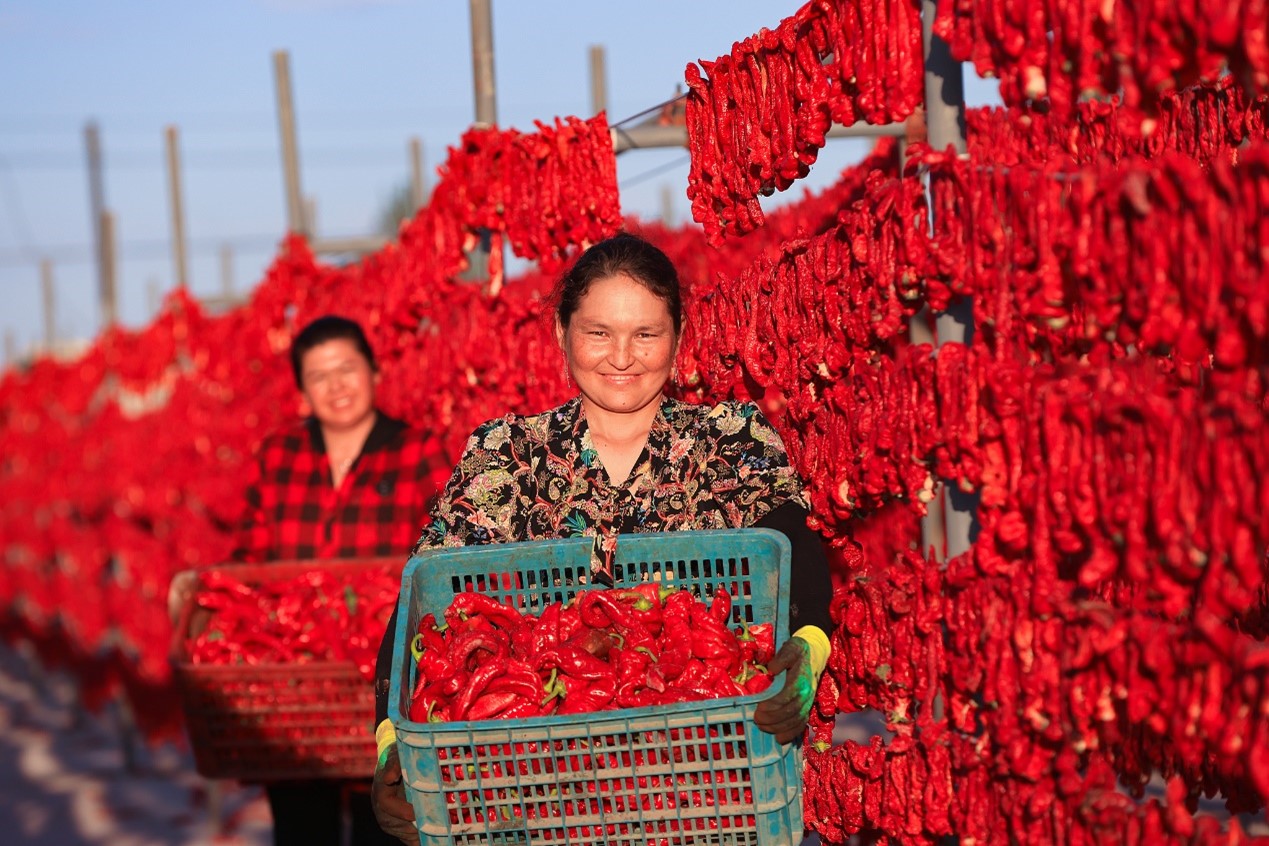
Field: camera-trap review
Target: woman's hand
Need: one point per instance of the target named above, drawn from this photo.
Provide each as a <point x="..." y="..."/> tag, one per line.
<point x="785" y="714"/>
<point x="387" y="795"/>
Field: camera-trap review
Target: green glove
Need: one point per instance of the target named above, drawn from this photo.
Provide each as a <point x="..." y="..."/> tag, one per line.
<point x="804" y="656"/>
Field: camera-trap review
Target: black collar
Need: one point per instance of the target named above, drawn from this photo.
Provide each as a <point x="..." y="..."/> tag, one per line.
<point x="385" y="432"/>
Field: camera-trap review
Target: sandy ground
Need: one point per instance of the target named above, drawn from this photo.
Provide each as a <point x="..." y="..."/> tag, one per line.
<point x="72" y="779"/>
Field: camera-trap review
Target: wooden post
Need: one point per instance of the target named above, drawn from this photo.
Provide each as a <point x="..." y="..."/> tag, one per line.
<point x="153" y="297"/>
<point x="179" y="265"/>
<point x="10" y="348"/>
<point x="598" y="80"/>
<point x="97" y="208"/>
<point x="482" y="63"/>
<point x="290" y="147"/>
<point x="482" y="66"/>
<point x="110" y="314"/>
<point x="226" y="272"/>
<point x="418" y="186"/>
<point x="50" y="306"/>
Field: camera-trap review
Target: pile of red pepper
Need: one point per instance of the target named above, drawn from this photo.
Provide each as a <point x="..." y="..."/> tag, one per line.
<point x="316" y="616"/>
<point x="757" y="118"/>
<point x="547" y="191"/>
<point x="1066" y="261"/>
<point x="604" y="649"/>
<point x="1204" y="123"/>
<point x="1064" y="51"/>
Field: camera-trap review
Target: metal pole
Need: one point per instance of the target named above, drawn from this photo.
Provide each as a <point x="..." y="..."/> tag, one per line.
<point x="10" y="348"/>
<point x="226" y="272"/>
<point x="178" y="207"/>
<point x="418" y="187"/>
<point x="652" y="133"/>
<point x="50" y="305"/>
<point x="598" y="80"/>
<point x="945" y="126"/>
<point x="290" y="148"/>
<point x="110" y="314"/>
<point x="96" y="208"/>
<point x="310" y="215"/>
<point x="944" y="87"/>
<point x="482" y="63"/>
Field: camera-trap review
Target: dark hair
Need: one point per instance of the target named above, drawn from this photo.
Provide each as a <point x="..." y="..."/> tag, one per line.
<point x="328" y="328"/>
<point x="622" y="254"/>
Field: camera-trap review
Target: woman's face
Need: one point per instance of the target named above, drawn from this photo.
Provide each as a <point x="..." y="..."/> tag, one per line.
<point x="338" y="384"/>
<point x="619" y="345"/>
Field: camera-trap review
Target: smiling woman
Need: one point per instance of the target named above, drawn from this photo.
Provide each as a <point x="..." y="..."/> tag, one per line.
<point x="337" y="381"/>
<point x="621" y="458"/>
<point x="347" y="482"/>
<point x="619" y="334"/>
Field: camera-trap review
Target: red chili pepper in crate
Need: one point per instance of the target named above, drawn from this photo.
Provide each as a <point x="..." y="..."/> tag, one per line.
<point x="632" y="613"/>
<point x="477" y="647"/>
<point x="428" y="637"/>
<point x="764" y="636"/>
<point x="546" y="632"/>
<point x="493" y="704"/>
<point x="570" y="621"/>
<point x="711" y="641"/>
<point x="574" y="662"/>
<point x="720" y="607"/>
<point x="469" y="605"/>
<point x="611" y="658"/>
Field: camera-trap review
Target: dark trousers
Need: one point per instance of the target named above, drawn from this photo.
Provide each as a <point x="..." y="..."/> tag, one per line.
<point x="311" y="813"/>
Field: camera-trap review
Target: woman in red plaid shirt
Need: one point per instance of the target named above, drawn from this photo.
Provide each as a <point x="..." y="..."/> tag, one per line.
<point x="347" y="482"/>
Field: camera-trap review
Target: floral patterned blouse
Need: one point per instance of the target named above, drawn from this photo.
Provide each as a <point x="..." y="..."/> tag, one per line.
<point x="539" y="477"/>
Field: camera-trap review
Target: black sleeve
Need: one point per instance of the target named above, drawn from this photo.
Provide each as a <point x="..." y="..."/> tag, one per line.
<point x="383" y="668"/>
<point x="810" y="586"/>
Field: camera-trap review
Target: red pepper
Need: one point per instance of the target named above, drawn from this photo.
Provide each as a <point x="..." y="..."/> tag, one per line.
<point x="489" y="705"/>
<point x="627" y="611"/>
<point x="592" y="697"/>
<point x="764" y="636"/>
<point x="468" y="604"/>
<point x="466" y="649"/>
<point x="720" y="608"/>
<point x="517" y="677"/>
<point x="574" y="662"/>
<point x="428" y="634"/>
<point x="476" y="684"/>
<point x="596" y="642"/>
<point x="711" y="641"/>
<point x="546" y="631"/>
<point x="570" y="621"/>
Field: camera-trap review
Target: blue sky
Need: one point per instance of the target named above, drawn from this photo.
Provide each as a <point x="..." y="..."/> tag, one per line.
<point x="367" y="76"/>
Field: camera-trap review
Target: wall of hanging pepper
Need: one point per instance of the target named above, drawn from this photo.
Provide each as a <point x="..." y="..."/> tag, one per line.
<point x="1093" y="670"/>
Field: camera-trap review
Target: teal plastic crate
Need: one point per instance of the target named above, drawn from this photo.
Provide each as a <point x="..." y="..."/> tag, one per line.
<point x="686" y="773"/>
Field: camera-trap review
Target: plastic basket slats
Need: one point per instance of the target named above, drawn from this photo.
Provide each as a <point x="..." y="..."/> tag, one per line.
<point x="686" y="773"/>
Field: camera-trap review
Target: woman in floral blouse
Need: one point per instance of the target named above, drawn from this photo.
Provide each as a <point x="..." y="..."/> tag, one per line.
<point x="623" y="457"/>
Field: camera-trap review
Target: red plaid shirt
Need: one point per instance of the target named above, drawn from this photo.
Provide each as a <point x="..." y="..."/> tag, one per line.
<point x="294" y="512"/>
